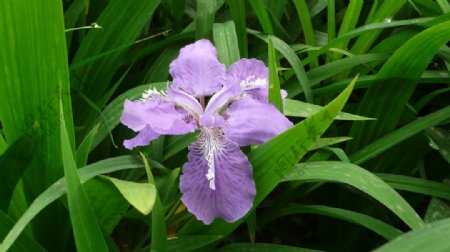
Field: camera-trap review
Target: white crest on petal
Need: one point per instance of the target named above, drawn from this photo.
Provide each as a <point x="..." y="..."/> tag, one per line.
<point x="210" y="139"/>
<point x="152" y="94"/>
<point x="251" y="82"/>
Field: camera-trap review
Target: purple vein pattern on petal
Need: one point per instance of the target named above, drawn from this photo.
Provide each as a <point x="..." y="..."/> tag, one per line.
<point x="234" y="189"/>
<point x="252" y="75"/>
<point x="253" y="122"/>
<point x="156" y="117"/>
<point x="197" y="69"/>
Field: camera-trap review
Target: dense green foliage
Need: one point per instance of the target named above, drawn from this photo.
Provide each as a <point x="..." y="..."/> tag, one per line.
<point x="372" y="177"/>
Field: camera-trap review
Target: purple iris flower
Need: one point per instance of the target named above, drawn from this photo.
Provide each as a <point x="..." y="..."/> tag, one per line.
<point x="217" y="179"/>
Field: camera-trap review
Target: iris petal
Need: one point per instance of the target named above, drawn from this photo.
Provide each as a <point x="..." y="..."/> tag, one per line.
<point x="252" y="76"/>
<point x="253" y="122"/>
<point x="197" y="69"/>
<point x="217" y="179"/>
<point x="143" y="138"/>
<point x="185" y="101"/>
<point x="156" y="116"/>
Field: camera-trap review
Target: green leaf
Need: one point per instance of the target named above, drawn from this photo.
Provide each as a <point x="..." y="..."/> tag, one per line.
<point x="379" y="227"/>
<point x="440" y="141"/>
<point x="192" y="243"/>
<point x="59" y="188"/>
<point x="384" y="143"/>
<point x="274" y="81"/>
<point x="385" y="12"/>
<point x="344" y="172"/>
<point x="397" y="79"/>
<point x="297" y="108"/>
<point x="107" y="203"/>
<point x="3" y="144"/>
<point x="15" y="161"/>
<point x="159" y="70"/>
<point x="348" y="23"/>
<point x="327" y="141"/>
<point x="263" y="247"/>
<point x="24" y="242"/>
<point x="293" y="59"/>
<point x="431" y="237"/>
<point x="237" y="12"/>
<point x="366" y="29"/>
<point x="88" y="235"/>
<point x="263" y="16"/>
<point x="85" y="147"/>
<point x="417" y="185"/>
<point x="437" y="210"/>
<point x="159" y="233"/>
<point x="33" y="78"/>
<point x="274" y="159"/>
<point x="122" y="21"/>
<point x="142" y="196"/>
<point x="305" y="21"/>
<point x="205" y="18"/>
<point x="322" y="73"/>
<point x="226" y="42"/>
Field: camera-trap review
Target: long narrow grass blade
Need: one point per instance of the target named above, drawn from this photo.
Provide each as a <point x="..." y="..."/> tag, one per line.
<point x="388" y="141"/>
<point x="14" y="161"/>
<point x="386" y="99"/>
<point x="308" y="30"/>
<point x="417" y="185"/>
<point x="263" y="16"/>
<point x="302" y="109"/>
<point x="293" y="59"/>
<point x="431" y="237"/>
<point x="344" y="172"/>
<point x="24" y="242"/>
<point x="274" y="81"/>
<point x="384" y="13"/>
<point x="59" y="188"/>
<point x="226" y="42"/>
<point x="88" y="235"/>
<point x="379" y="227"/>
<point x="237" y="12"/>
<point x="159" y="233"/>
<point x="348" y="23"/>
<point x="122" y="21"/>
<point x="205" y="18"/>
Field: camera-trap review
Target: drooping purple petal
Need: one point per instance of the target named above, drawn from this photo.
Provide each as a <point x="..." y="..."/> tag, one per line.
<point x="217" y="179"/>
<point x="253" y="122"/>
<point x="156" y="116"/>
<point x="145" y="136"/>
<point x="197" y="69"/>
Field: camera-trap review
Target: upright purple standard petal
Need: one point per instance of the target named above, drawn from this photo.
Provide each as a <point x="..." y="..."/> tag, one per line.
<point x="197" y="69"/>
<point x="252" y="75"/>
<point x="253" y="122"/>
<point x="217" y="179"/>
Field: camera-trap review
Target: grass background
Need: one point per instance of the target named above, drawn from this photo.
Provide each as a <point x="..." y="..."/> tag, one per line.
<point x="372" y="177"/>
